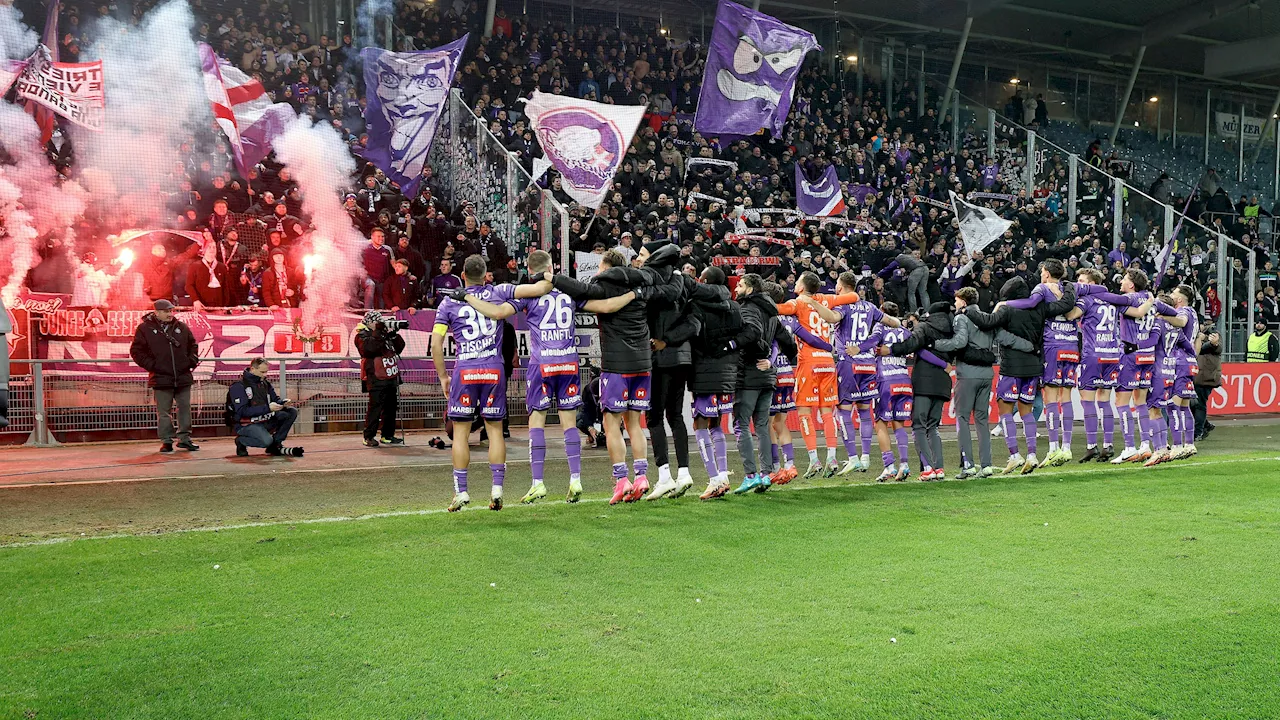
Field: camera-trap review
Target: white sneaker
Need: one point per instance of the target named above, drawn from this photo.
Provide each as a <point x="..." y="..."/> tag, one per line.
<point x="1191" y="450"/>
<point x="1015" y="462"/>
<point x="1030" y="464"/>
<point x="997" y="431"/>
<point x="666" y="486"/>
<point x="987" y="471"/>
<point x="815" y="468"/>
<point x="864" y="463"/>
<point x="459" y="501"/>
<point x="1124" y="457"/>
<point x="850" y="465"/>
<point x="1175" y="452"/>
<point x="684" y="481"/>
<point x="575" y="489"/>
<point x="888" y="474"/>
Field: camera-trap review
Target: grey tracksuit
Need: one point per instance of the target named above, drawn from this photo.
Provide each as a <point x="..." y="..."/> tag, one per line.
<point x="974" y="349"/>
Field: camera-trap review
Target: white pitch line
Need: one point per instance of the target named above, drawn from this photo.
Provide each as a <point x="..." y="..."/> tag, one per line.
<point x="265" y="471"/>
<point x="438" y="511"/>
<point x="111" y="481"/>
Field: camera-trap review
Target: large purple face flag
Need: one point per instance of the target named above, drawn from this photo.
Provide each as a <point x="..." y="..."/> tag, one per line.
<point x="407" y="95"/>
<point x="822" y="198"/>
<point x="751" y="72"/>
<point x="584" y="141"/>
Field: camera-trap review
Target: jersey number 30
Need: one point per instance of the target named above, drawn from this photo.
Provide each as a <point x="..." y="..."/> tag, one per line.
<point x="475" y="325"/>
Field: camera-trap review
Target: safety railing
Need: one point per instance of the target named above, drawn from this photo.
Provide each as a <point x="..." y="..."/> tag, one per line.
<point x="1129" y="222"/>
<point x="470" y="163"/>
<point x="48" y="401"/>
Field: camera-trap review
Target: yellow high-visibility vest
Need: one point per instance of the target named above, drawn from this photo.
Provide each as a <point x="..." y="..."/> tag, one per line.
<point x="1257" y="350"/>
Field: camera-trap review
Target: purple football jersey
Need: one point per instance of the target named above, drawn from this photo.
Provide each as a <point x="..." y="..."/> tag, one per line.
<point x="856" y="323"/>
<point x="552" y="333"/>
<point x="1059" y="332"/>
<point x="889" y="368"/>
<point x="776" y="357"/>
<point x="1185" y="343"/>
<point x="1099" y="327"/>
<point x="479" y="338"/>
<point x="1137" y="331"/>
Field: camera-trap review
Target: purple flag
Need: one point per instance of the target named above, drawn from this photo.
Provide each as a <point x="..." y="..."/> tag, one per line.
<point x="407" y="94"/>
<point x="860" y="193"/>
<point x="821" y="198"/>
<point x="751" y="71"/>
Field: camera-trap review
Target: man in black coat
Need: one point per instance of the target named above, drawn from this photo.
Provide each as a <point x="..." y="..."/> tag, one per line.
<point x="715" y="371"/>
<point x="671" y="327"/>
<point x="930" y="385"/>
<point x="757" y="378"/>
<point x="626" y="354"/>
<point x="1020" y="372"/>
<point x="166" y="349"/>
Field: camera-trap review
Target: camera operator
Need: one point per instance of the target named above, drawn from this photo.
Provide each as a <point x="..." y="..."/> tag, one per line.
<point x="379" y="342"/>
<point x="259" y="416"/>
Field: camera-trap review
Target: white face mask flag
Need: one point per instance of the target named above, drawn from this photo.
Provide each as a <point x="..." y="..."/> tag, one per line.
<point x="979" y="226"/>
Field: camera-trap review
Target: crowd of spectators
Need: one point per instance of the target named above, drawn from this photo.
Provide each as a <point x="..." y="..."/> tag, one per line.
<point x="897" y="167"/>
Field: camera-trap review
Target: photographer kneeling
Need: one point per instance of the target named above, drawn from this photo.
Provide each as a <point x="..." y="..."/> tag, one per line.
<point x="379" y="342"/>
<point x="261" y="418"/>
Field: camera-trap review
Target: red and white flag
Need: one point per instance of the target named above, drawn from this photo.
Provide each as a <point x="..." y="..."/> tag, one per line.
<point x="243" y="110"/>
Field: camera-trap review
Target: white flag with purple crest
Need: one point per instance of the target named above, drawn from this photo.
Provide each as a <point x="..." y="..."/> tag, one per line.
<point x="584" y="141"/>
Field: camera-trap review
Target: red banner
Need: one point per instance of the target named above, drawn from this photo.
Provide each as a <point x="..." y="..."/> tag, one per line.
<point x="45" y="327"/>
<point x="748" y="260"/>
<point x="1247" y="389"/>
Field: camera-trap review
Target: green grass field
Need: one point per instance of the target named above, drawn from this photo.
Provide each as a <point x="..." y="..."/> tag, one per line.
<point x="1082" y="592"/>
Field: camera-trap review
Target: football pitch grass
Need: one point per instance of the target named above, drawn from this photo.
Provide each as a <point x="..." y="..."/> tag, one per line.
<point x="1083" y="591"/>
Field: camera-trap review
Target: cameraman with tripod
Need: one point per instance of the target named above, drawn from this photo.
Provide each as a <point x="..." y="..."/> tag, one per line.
<point x="379" y="342"/>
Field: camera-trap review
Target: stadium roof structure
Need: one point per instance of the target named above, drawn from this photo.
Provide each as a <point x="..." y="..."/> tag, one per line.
<point x="1180" y="37"/>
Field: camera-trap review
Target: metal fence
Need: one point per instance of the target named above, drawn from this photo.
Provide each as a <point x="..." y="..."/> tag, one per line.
<point x="470" y="163"/>
<point x="52" y="401"/>
<point x="1120" y="213"/>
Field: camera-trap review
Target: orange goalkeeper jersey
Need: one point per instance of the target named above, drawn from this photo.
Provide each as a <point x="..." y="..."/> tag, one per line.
<point x="811" y="321"/>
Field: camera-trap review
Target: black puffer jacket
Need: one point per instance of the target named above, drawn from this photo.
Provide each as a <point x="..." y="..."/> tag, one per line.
<point x="926" y="378"/>
<point x="624" y="335"/>
<point x="675" y="326"/>
<point x="1026" y="324"/>
<point x="715" y="363"/>
<point x="760" y="311"/>
<point x="168" y="351"/>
